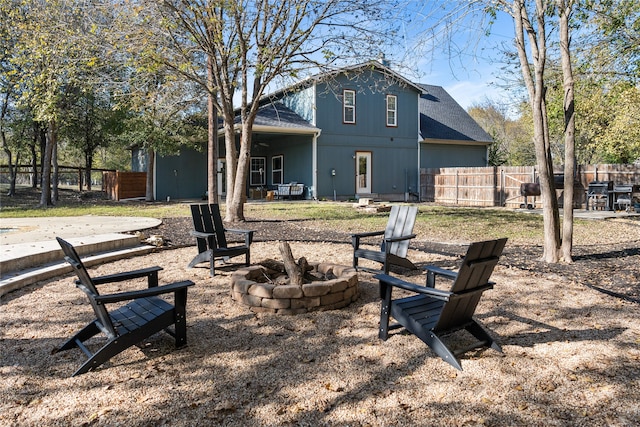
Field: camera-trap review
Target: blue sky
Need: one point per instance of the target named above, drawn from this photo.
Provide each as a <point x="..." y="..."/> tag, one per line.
<point x="472" y="73"/>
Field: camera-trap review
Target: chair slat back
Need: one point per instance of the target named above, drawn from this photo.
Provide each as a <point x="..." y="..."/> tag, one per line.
<point x="203" y="221"/>
<point x="85" y="283"/>
<point x="402" y="218"/>
<point x="218" y="226"/>
<point x="476" y="269"/>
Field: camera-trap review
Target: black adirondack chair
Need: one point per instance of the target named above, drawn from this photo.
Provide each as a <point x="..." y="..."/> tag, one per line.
<point x="145" y="314"/>
<point x="432" y="313"/>
<point x="395" y="241"/>
<point x="211" y="237"/>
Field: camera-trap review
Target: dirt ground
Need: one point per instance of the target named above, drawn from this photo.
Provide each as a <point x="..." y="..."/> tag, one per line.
<point x="606" y="256"/>
<point x="569" y="333"/>
<point x="570" y="337"/>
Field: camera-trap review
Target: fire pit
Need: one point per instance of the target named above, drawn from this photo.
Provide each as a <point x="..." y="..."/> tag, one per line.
<point x="265" y="291"/>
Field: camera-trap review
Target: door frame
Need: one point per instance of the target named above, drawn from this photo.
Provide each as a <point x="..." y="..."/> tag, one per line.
<point x="366" y="188"/>
<point x="221" y="173"/>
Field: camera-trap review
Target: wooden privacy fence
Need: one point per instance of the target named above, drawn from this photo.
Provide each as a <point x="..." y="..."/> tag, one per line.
<point x="121" y="185"/>
<point x="500" y="185"/>
<point x="67" y="175"/>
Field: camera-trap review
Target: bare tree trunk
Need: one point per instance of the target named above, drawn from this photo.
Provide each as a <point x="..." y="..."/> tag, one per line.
<point x="295" y="273"/>
<point x="5" y="147"/>
<point x="87" y="173"/>
<point x="42" y="132"/>
<point x="12" y="169"/>
<point x="534" y="81"/>
<point x="212" y="138"/>
<point x="34" y="160"/>
<point x="232" y="166"/>
<point x="54" y="178"/>
<point x="45" y="195"/>
<point x="564" y="9"/>
<point x="151" y="164"/>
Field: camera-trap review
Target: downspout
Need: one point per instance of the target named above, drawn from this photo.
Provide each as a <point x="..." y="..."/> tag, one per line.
<point x="154" y="173"/>
<point x="314" y="161"/>
<point x="314" y="147"/>
<point x="419" y="190"/>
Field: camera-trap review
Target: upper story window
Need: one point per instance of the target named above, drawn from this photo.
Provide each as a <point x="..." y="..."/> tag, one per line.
<point x="276" y="170"/>
<point x="258" y="171"/>
<point x="349" y="106"/>
<point x="392" y="110"/>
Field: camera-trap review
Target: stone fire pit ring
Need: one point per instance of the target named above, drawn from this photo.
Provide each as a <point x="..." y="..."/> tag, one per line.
<point x="248" y="288"/>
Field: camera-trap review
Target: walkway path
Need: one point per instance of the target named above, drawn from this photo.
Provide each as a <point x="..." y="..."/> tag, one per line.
<point x="23" y="230"/>
<point x="29" y="251"/>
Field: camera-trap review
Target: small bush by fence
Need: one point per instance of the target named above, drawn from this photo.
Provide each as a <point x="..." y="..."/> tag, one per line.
<point x="500" y="185"/>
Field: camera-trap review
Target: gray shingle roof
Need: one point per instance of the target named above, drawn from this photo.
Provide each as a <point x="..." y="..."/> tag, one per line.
<point x="277" y="114"/>
<point x="441" y="117"/>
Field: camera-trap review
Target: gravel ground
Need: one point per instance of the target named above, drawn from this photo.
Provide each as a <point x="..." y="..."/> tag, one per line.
<point x="570" y="337"/>
<point x="608" y="262"/>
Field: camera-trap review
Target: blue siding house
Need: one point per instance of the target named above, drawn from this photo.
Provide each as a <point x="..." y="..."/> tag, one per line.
<point x="361" y="131"/>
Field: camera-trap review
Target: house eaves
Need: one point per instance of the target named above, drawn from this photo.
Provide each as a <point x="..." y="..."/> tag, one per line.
<point x="275" y="117"/>
<point x="454" y="142"/>
<point x="444" y="121"/>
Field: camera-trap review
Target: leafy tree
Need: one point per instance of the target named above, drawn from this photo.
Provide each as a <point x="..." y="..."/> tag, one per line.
<point x="85" y="126"/>
<point x="609" y="39"/>
<point x="534" y="22"/>
<point x="620" y="141"/>
<point x="494" y="122"/>
<point x="246" y="46"/>
<point x="46" y="55"/>
<point x="513" y="143"/>
<point x="607" y="122"/>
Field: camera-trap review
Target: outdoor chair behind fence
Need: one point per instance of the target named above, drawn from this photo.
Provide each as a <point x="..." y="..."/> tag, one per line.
<point x="432" y="314"/>
<point x="144" y="315"/>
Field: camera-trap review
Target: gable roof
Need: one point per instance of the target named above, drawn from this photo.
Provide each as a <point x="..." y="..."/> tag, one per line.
<point x="442" y="118"/>
<point x="276" y="115"/>
<point x="326" y="75"/>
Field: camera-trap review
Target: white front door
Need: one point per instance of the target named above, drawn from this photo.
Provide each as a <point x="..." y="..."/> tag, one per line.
<point x="363" y="172"/>
<point x="222" y="177"/>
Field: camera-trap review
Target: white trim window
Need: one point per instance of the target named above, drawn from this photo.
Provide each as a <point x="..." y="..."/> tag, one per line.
<point x="258" y="171"/>
<point x="392" y="110"/>
<point x="349" y="106"/>
<point x="277" y="174"/>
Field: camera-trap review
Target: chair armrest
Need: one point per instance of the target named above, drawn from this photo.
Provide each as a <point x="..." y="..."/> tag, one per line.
<point x="126" y="275"/>
<point x="412" y="287"/>
<point x="433" y="272"/>
<point x="369" y="234"/>
<point x="400" y="238"/>
<point x="355" y="238"/>
<point x="248" y="234"/>
<point x="142" y="293"/>
<point x="201" y="234"/>
<point x="237" y="231"/>
<point x="441" y="271"/>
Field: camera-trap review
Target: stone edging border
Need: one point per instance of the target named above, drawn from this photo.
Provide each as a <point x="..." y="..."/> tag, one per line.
<point x="292" y="299"/>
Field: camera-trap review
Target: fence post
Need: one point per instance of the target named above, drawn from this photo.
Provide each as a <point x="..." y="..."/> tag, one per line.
<point x="503" y="184"/>
<point x="457" y="186"/>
